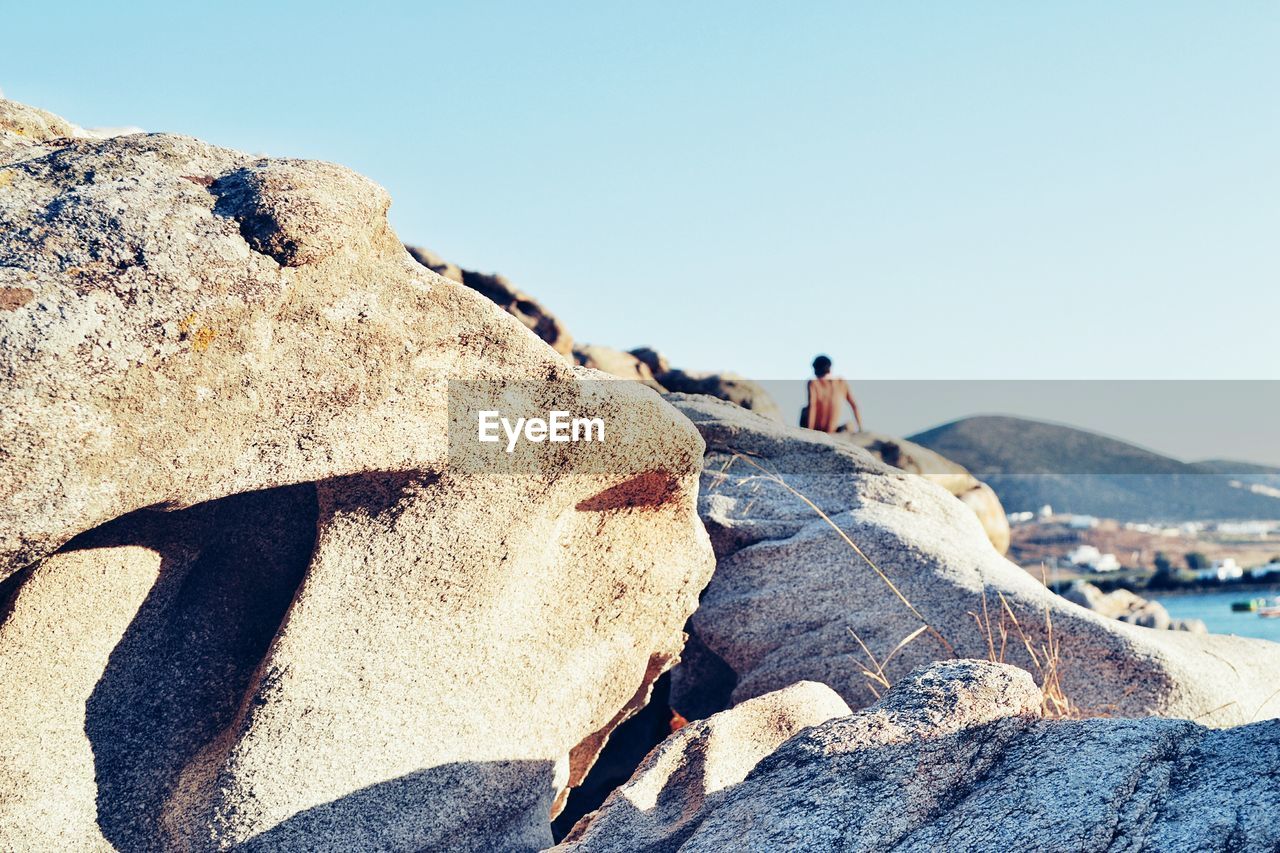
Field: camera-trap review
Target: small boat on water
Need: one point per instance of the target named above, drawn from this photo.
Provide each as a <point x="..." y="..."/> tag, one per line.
<point x="1269" y="607"/>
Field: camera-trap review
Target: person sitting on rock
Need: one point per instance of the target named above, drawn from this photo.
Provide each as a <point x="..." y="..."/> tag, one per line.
<point x="826" y="393"/>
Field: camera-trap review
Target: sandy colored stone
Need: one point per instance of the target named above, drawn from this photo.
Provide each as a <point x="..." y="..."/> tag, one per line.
<point x="791" y="598"/>
<point x="693" y="769"/>
<point x="204" y="327"/>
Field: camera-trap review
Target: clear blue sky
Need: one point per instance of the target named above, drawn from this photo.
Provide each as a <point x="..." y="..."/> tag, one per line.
<point x="931" y="190"/>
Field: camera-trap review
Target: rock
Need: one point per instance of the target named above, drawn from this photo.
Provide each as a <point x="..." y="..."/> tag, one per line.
<point x="419" y="653"/>
<point x="917" y="459"/>
<point x="96" y="738"/>
<point x="24" y="128"/>
<point x="792" y="598"/>
<point x="955" y="757"/>
<point x="695" y="768"/>
<point x="1129" y="607"/>
<point x="499" y="290"/>
<point x="33" y="125"/>
<point x="301" y="212"/>
<point x="623" y="365"/>
<point x="654" y="360"/>
<point x="1120" y="604"/>
<point x="435" y="263"/>
<point x="724" y="385"/>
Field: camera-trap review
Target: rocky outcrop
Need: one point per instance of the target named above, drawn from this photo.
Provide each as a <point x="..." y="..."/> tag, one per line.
<point x="694" y="769"/>
<point x="499" y="290"/>
<point x="255" y="593"/>
<point x="822" y="550"/>
<point x="723" y="385"/>
<point x="1129" y="607"/>
<point x="617" y="363"/>
<point x="916" y="459"/>
<point x="955" y="757"/>
<point x="652" y="368"/>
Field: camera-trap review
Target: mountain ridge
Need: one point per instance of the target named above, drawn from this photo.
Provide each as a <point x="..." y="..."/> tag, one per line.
<point x="1031" y="463"/>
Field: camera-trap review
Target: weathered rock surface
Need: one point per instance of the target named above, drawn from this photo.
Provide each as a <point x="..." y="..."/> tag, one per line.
<point x="916" y="459"/>
<point x="955" y="757"/>
<point x="790" y="592"/>
<point x="687" y="774"/>
<point x="1129" y="607"/>
<point x="434" y="654"/>
<point x="499" y="290"/>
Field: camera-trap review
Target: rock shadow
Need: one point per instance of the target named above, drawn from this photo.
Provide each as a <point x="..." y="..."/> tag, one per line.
<point x="430" y="809"/>
<point x="229" y="571"/>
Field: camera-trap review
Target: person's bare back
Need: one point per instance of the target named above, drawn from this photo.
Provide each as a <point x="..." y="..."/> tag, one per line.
<point x="827" y="393"/>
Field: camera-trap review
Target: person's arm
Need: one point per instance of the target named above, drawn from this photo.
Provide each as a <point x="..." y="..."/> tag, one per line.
<point x="853" y="404"/>
<point x="811" y="407"/>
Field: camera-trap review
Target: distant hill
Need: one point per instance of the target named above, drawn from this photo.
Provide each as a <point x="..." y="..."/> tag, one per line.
<point x="1250" y="470"/>
<point x="1031" y="463"/>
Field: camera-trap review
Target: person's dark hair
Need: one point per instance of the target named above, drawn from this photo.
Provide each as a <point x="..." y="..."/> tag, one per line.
<point x="822" y="365"/>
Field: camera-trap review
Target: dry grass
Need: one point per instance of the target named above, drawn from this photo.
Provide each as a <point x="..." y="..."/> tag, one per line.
<point x="1000" y="634"/>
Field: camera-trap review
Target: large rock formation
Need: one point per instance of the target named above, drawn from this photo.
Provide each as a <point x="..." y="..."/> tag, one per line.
<point x="499" y="290"/>
<point x="811" y="532"/>
<point x="688" y="773"/>
<point x="955" y="757"/>
<point x="341" y="633"/>
<point x="916" y="459"/>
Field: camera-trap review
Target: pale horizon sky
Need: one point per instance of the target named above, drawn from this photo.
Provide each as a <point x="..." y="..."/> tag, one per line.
<point x="921" y="190"/>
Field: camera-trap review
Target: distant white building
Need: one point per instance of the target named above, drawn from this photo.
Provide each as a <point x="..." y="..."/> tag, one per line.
<point x="1084" y="555"/>
<point x="1089" y="557"/>
<point x="1046" y="511"/>
<point x="1107" y="563"/>
<point x="1253" y="529"/>
<point x="1221" y="570"/>
<point x="1083" y="522"/>
<point x="1020" y="517"/>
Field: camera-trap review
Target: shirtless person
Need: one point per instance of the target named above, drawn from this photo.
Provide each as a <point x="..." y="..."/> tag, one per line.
<point x="826" y="393"/>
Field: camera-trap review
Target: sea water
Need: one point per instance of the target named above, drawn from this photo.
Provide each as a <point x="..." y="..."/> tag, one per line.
<point x="1215" y="609"/>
